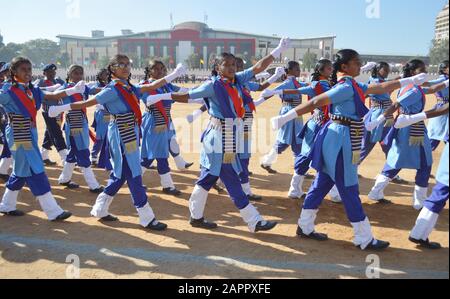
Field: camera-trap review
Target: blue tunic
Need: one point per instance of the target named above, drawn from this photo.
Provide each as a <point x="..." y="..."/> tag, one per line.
<point x="311" y="128"/>
<point x="101" y="118"/>
<point x="378" y="133"/>
<point x="247" y="150"/>
<point x="112" y="102"/>
<point x="211" y="156"/>
<point x="402" y="154"/>
<point x="292" y="128"/>
<point x="336" y="137"/>
<point x="27" y="161"/>
<point x="438" y="127"/>
<point x="81" y="137"/>
<point x="442" y="173"/>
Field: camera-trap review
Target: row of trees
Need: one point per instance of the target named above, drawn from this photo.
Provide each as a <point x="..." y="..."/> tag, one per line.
<point x="40" y="51"/>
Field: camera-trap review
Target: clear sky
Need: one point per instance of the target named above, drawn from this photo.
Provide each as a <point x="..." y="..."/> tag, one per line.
<point x="400" y="27"/>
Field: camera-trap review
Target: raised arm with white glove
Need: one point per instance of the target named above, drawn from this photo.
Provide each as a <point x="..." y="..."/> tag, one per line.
<point x="404" y="120"/>
<point x="80" y="87"/>
<point x="285" y="43"/>
<point x="267" y="93"/>
<point x="55" y="111"/>
<point x="153" y="99"/>
<point x="278" y="73"/>
<point x="415" y="80"/>
<point x="370" y="126"/>
<point x="263" y="75"/>
<point x="368" y="67"/>
<point x="279" y="121"/>
<point x="178" y="72"/>
<point x="52" y="88"/>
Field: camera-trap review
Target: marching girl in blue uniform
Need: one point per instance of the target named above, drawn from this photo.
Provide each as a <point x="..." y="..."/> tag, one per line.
<point x="337" y="149"/>
<point x="101" y="118"/>
<point x="320" y="83"/>
<point x="53" y="133"/>
<point x="223" y="139"/>
<point x="438" y="127"/>
<point x="21" y="101"/>
<point x="76" y="128"/>
<point x="5" y="154"/>
<point x="157" y="129"/>
<point x="436" y="202"/>
<point x="120" y="99"/>
<point x="288" y="134"/>
<point x="409" y="147"/>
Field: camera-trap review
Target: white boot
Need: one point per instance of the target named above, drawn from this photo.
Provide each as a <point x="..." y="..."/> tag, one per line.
<point x="66" y="175"/>
<point x="5" y="164"/>
<point x="420" y="195"/>
<point x="363" y="233"/>
<point x="44" y="154"/>
<point x="179" y="162"/>
<point x="146" y="215"/>
<point x="166" y="181"/>
<point x="197" y="202"/>
<point x="296" y="190"/>
<point x="49" y="206"/>
<point x="63" y="155"/>
<point x="90" y="179"/>
<point x="425" y="224"/>
<point x="1" y="148"/>
<point x="306" y="221"/>
<point x="9" y="201"/>
<point x="270" y="158"/>
<point x="377" y="192"/>
<point x="247" y="189"/>
<point x="101" y="206"/>
<point x="334" y="195"/>
<point x="252" y="217"/>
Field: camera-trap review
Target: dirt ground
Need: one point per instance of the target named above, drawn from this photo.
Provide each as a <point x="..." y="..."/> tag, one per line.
<point x="32" y="247"/>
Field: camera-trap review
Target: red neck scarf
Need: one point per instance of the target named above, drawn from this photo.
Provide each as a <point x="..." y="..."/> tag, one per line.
<point x="159" y="105"/>
<point x="27" y="100"/>
<point x="130" y="99"/>
<point x="238" y="103"/>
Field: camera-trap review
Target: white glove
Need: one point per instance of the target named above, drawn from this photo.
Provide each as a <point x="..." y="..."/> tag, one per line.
<point x="263" y="75"/>
<point x="200" y="101"/>
<point x="267" y="93"/>
<point x="54" y="111"/>
<point x="368" y="67"/>
<point x="91" y="84"/>
<point x="53" y="88"/>
<point x="278" y="73"/>
<point x="374" y="124"/>
<point x="285" y="43"/>
<point x="80" y="87"/>
<point x="259" y="101"/>
<point x="446" y="83"/>
<point x="192" y="117"/>
<point x="280" y="121"/>
<point x="99" y="107"/>
<point x="404" y="121"/>
<point x="179" y="71"/>
<point x="416" y="80"/>
<point x="153" y="99"/>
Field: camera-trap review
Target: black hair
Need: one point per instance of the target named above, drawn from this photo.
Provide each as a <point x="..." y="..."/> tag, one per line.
<point x="318" y="69"/>
<point x="112" y="62"/>
<point x="380" y="65"/>
<point x="150" y="66"/>
<point x="442" y="66"/>
<point x="214" y="71"/>
<point x="291" y="65"/>
<point x="222" y="57"/>
<point x="411" y="66"/>
<point x="342" y="57"/>
<point x="101" y="71"/>
<point x="15" y="63"/>
<point x="71" y="69"/>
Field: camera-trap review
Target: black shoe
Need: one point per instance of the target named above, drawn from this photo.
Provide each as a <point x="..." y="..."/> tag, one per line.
<point x="265" y="227"/>
<point x="98" y="190"/>
<point x="254" y="197"/>
<point x="63" y="216"/>
<point x="70" y="185"/>
<point x="384" y="201"/>
<point x="151" y="167"/>
<point x="250" y="173"/>
<point x="313" y="235"/>
<point x="426" y="244"/>
<point x="202" y="223"/>
<point x="16" y="213"/>
<point x="380" y="245"/>
<point x="49" y="163"/>
<point x="219" y="189"/>
<point x="145" y="187"/>
<point x="172" y="191"/>
<point x="109" y="218"/>
<point x="400" y="181"/>
<point x="188" y="165"/>
<point x="157" y="226"/>
<point x="269" y="169"/>
<point x="360" y="176"/>
<point x="4" y="177"/>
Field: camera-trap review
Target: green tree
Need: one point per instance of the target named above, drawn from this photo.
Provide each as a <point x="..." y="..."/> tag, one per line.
<point x="1" y="41"/>
<point x="439" y="51"/>
<point x="41" y="51"/>
<point x="11" y="50"/>
<point x="64" y="60"/>
<point x="193" y="61"/>
<point x="309" y="60"/>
